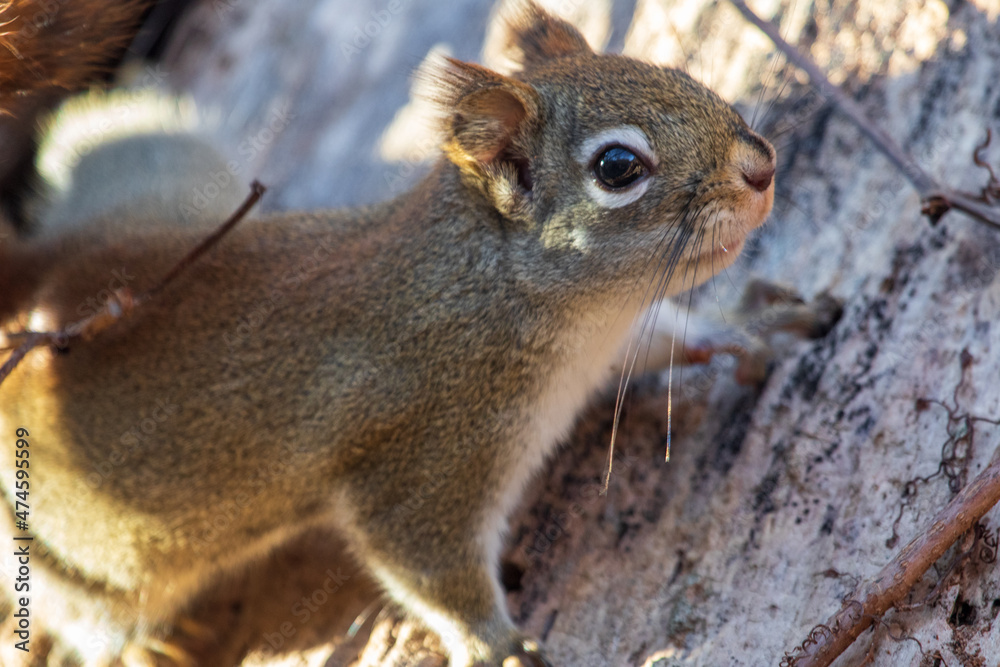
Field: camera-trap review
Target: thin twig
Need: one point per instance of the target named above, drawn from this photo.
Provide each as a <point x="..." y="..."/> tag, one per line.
<point x="256" y="191"/>
<point x="937" y="199"/>
<point x="122" y="303"/>
<point x="872" y="599"/>
<point x="15" y="357"/>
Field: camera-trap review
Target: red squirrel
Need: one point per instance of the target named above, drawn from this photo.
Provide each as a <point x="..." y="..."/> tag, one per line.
<point x="443" y="341"/>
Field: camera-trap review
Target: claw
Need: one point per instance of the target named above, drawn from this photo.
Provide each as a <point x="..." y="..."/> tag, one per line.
<point x="172" y="651"/>
<point x="144" y="654"/>
<point x="530" y="655"/>
<point x="137" y="656"/>
<point x="194" y="629"/>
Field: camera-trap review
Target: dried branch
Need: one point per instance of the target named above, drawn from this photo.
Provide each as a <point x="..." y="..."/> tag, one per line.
<point x="872" y="599"/>
<point x="936" y="198"/>
<point x="122" y="303"/>
<point x="31" y="341"/>
<point x="256" y="192"/>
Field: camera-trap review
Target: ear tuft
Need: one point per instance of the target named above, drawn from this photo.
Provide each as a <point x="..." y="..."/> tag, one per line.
<point x="485" y="116"/>
<point x="533" y="36"/>
<point x="490" y="125"/>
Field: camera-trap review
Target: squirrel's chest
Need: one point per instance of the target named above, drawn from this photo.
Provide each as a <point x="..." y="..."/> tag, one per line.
<point x="569" y="386"/>
<point x="585" y="359"/>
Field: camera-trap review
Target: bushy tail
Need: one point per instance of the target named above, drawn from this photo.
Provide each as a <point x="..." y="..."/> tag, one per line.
<point x="48" y="45"/>
<point x="131" y="156"/>
<point x="121" y="158"/>
<point x="50" y="49"/>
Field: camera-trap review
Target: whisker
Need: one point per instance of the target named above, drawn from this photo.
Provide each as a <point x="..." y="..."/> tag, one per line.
<point x="764" y="84"/>
<point x="786" y="128"/>
<point x="660" y="291"/>
<point x="653" y="255"/>
<point x="694" y="284"/>
<point x="760" y="95"/>
<point x="672" y="243"/>
<point x="788" y="202"/>
<point x="732" y="283"/>
<point x="687" y="319"/>
<point x="670" y="399"/>
<point x="715" y="286"/>
<point x="680" y="44"/>
<point x="787" y="79"/>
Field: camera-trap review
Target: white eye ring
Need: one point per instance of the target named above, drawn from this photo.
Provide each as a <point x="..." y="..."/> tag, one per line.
<point x="627" y="136"/>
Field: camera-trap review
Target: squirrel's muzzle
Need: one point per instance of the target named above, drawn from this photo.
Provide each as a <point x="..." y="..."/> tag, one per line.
<point x="759" y="176"/>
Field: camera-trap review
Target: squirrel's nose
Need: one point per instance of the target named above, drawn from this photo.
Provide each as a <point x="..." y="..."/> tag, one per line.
<point x="759" y="178"/>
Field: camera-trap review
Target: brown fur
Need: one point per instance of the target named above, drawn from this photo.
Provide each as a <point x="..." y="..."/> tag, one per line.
<point x="62" y="45"/>
<point x="397" y="372"/>
<point x="49" y="49"/>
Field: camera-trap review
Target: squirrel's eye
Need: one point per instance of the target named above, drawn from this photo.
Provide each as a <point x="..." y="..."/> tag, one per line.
<point x="618" y="167"/>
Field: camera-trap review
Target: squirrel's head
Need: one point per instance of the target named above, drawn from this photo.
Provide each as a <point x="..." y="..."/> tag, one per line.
<point x="605" y="152"/>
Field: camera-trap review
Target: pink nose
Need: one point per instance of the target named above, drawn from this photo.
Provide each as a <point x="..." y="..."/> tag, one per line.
<point x="759" y="178"/>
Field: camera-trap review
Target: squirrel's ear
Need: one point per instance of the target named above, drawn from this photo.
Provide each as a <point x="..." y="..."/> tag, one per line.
<point x="486" y="117"/>
<point x="490" y="125"/>
<point x="534" y="36"/>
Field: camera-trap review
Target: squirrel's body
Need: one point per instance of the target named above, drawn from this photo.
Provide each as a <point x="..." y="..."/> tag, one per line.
<point x="398" y="371"/>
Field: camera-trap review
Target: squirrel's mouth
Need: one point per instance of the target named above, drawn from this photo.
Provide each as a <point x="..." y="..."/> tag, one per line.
<point x="751" y="210"/>
<point x="722" y="253"/>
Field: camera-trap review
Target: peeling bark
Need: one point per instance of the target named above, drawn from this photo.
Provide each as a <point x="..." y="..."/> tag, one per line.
<point x="777" y="501"/>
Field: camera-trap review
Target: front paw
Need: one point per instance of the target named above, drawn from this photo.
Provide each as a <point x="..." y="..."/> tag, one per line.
<point x="529" y="654"/>
<point x="151" y="652"/>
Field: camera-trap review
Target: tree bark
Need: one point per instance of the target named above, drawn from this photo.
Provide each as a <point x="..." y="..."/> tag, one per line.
<point x="778" y="500"/>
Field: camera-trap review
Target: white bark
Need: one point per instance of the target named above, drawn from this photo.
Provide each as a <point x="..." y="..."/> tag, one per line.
<point x="774" y="502"/>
